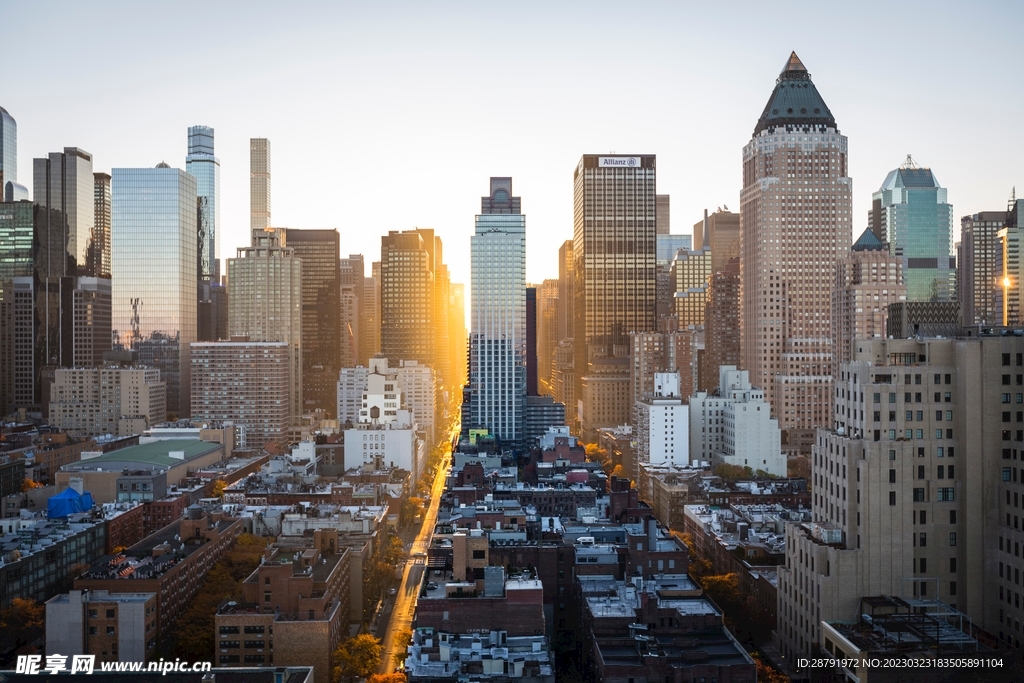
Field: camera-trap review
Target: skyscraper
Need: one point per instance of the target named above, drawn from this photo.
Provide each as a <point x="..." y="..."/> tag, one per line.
<point x="909" y="212"/>
<point x="721" y="324"/>
<point x="153" y="264"/>
<point x="319" y="251"/>
<point x="351" y="276"/>
<point x="662" y="213"/>
<point x="980" y="256"/>
<point x="202" y="164"/>
<point x="10" y="190"/>
<point x="407" y="295"/>
<point x="614" y="226"/>
<point x="795" y="223"/>
<point x="265" y="302"/>
<point x="868" y="280"/>
<point x="720" y="232"/>
<point x="458" y="335"/>
<point x="259" y="183"/>
<point x="100" y="256"/>
<point x="689" y="275"/>
<point x="64" y="189"/>
<point x="547" y="333"/>
<point x="498" y="334"/>
<point x="1009" y="265"/>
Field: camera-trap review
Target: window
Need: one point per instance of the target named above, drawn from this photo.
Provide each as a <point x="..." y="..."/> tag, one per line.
<point x="110" y="630"/>
<point x="892" y="397"/>
<point x="892" y="497"/>
<point x="110" y="614"/>
<point x="92" y="614"/>
<point x="939" y="452"/>
<point x="922" y="539"/>
<point x="920" y="471"/>
<point x="919" y="495"/>
<point x="478" y="554"/>
<point x="924" y="516"/>
<point x="952" y="587"/>
<point x="1005" y="398"/>
<point x="942" y="472"/>
<point x="952" y="516"/>
<point x="892" y="476"/>
<point x="892" y="454"/>
<point x="923" y="562"/>
<point x="92" y="630"/>
<point x="946" y="495"/>
<point x="952" y="542"/>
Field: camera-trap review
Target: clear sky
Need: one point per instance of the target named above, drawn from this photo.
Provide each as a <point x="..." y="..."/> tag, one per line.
<point x="388" y="116"/>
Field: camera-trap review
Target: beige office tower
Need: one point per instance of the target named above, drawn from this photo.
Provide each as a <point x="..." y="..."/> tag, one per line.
<point x="662" y="213"/>
<point x="868" y="279"/>
<point x="614" y="221"/>
<point x="265" y="302"/>
<point x="720" y="232"/>
<point x="259" y="183"/>
<point x="691" y="271"/>
<point x="794" y="226"/>
<point x="407" y="296"/>
<point x="547" y="333"/>
<point x="917" y="489"/>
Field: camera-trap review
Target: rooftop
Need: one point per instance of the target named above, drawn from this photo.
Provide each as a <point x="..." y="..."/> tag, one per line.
<point x="154" y="454"/>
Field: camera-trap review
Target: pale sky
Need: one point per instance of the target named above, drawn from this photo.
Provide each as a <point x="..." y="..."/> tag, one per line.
<point x="389" y="116"/>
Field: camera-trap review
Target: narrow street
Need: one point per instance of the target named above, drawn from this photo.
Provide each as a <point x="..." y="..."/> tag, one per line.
<point x="412" y="576"/>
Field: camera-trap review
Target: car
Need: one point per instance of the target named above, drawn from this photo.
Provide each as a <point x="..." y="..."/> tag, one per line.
<point x="431" y="586"/>
<point x="392" y="592"/>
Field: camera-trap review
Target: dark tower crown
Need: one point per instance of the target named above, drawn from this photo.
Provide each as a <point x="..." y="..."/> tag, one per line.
<point x="795" y="101"/>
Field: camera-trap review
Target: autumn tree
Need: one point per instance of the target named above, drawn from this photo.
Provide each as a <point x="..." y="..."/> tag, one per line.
<point x="29" y="484"/>
<point x="193" y="632"/>
<point x="218" y="488"/>
<point x="23" y="616"/>
<point x="767" y="673"/>
<point x="403" y="639"/>
<point x="395" y="677"/>
<point x="724" y="589"/>
<point x="357" y="657"/>
<point x="732" y="473"/>
<point x="618" y="471"/>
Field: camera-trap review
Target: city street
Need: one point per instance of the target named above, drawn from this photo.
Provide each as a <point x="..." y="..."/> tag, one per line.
<point x="408" y="591"/>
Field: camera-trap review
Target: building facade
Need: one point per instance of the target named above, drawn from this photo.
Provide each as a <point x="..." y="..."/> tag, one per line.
<point x="259" y="183"/>
<point x="498" y="334"/>
<point x="978" y="258"/>
<point x="8" y="150"/>
<point x="663" y="425"/>
<point x="407" y="295"/>
<point x="910" y="214"/>
<point x="614" y="258"/>
<point x="245" y="382"/>
<point x="153" y="266"/>
<point x="205" y="168"/>
<point x="100" y="254"/>
<point x="111" y="626"/>
<point x="265" y="285"/>
<point x="795" y="223"/>
<point x="868" y="280"/>
<point x="107" y="400"/>
<point x="734" y="426"/>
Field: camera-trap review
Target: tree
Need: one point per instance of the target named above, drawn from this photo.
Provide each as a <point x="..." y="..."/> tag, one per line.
<point x="193" y="632"/>
<point x="618" y="471"/>
<point x="402" y="641"/>
<point x="732" y="473"/>
<point x="23" y="616"/>
<point x="724" y="589"/>
<point x="218" y="488"/>
<point x="766" y="673"/>
<point x="357" y="657"/>
<point x="387" y="678"/>
<point x="29" y="484"/>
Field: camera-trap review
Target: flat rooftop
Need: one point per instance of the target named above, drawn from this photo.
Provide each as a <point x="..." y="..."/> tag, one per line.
<point x="153" y="454"/>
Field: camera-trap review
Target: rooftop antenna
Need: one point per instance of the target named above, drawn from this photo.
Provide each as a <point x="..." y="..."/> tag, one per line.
<point x="910" y="163"/>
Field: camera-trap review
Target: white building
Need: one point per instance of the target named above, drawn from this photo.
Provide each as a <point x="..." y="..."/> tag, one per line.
<point x="419" y="391"/>
<point x="386" y="444"/>
<point x="411" y="386"/>
<point x="735" y="426"/>
<point x="663" y="424"/>
<point x="351" y="385"/>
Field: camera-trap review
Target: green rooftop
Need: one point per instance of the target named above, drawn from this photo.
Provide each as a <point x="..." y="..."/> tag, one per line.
<point x="155" y="453"/>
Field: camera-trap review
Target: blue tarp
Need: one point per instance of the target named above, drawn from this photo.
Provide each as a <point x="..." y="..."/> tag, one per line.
<point x="68" y="502"/>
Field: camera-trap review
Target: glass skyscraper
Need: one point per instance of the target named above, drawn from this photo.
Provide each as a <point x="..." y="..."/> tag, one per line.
<point x="9" y="156"/>
<point x="63" y="187"/>
<point x="205" y="167"/>
<point x="911" y="214"/>
<point x="497" y="343"/>
<point x="154" y="263"/>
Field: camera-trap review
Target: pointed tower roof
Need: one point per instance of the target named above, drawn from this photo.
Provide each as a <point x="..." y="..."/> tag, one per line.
<point x="795" y="101"/>
<point x="868" y="241"/>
